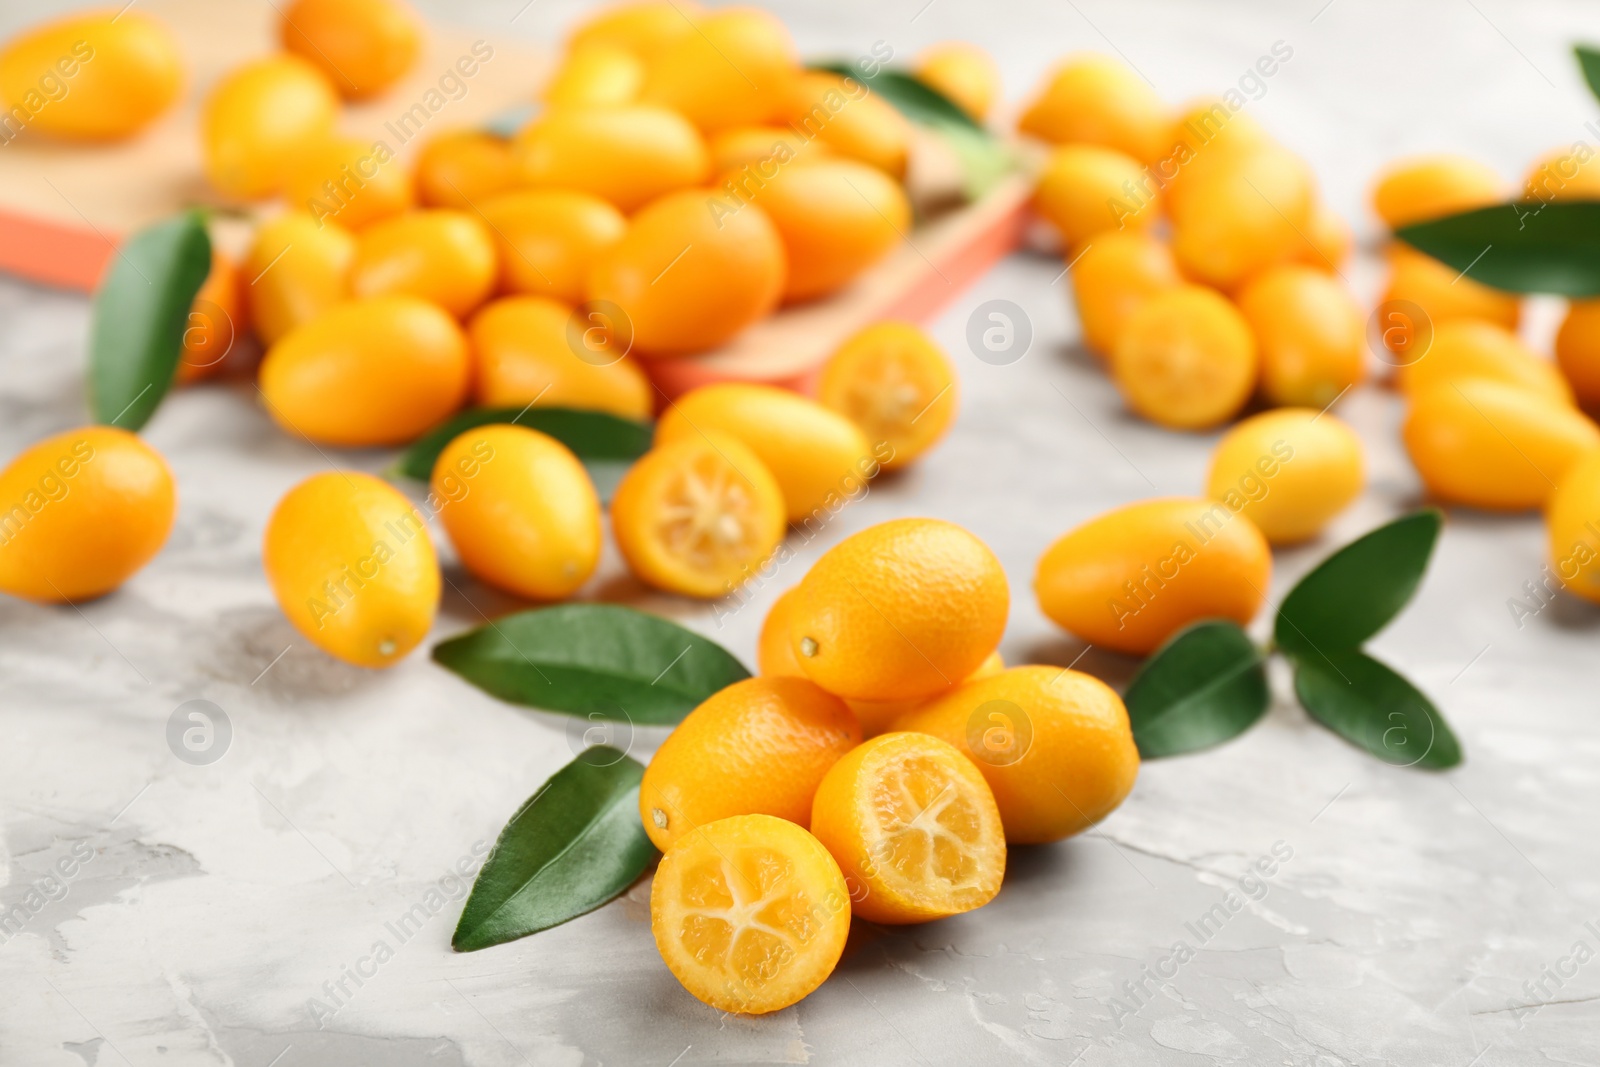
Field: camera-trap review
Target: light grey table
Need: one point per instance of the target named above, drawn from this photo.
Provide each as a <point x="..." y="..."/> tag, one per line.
<point x="1413" y="914"/>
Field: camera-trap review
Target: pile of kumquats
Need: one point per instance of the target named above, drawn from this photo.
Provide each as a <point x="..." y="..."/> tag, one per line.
<point x="686" y="171"/>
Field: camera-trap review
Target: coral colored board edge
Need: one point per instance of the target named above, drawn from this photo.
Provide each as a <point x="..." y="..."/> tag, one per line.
<point x="42" y="251"/>
<point x="64" y="206"/>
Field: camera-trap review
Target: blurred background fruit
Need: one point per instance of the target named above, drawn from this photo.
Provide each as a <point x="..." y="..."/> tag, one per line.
<point x="963" y="72"/>
<point x="349" y="560"/>
<point x="1111" y="280"/>
<point x="347" y="181"/>
<point x="1186" y="359"/>
<point x="122" y="70"/>
<point x="1427" y="187"/>
<point x="295" y="271"/>
<point x="547" y="240"/>
<point x="644" y="28"/>
<point x="463" y="169"/>
<point x="1086" y="190"/>
<point x="1442" y="295"/>
<point x="627" y="154"/>
<point x="1241" y="216"/>
<point x="1493" y="445"/>
<point x="735" y="69"/>
<point x="836" y="217"/>
<point x="87" y="509"/>
<point x="1473" y="348"/>
<point x="1093" y="99"/>
<point x="1569" y="518"/>
<point x="378" y="371"/>
<point x="444" y="256"/>
<point x="894" y="382"/>
<point x="1288" y="471"/>
<point x="843" y="114"/>
<point x="258" y="117"/>
<point x="689" y="278"/>
<point x="1578" y="351"/>
<point x="1309" y="333"/>
<point x="363" y="46"/>
<point x="596" y="74"/>
<point x="521" y="354"/>
<point x="218" y="319"/>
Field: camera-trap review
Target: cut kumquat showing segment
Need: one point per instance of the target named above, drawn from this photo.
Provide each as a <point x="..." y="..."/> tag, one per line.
<point x="750" y="913"/>
<point x="914" y="826"/>
<point x="894" y="382"/>
<point x="697" y="516"/>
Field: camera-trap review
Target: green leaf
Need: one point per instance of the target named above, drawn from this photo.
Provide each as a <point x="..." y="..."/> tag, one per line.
<point x="574" y="845"/>
<point x="985" y="159"/>
<point x="593" y="659"/>
<point x="1589" y="63"/>
<point x="140" y="312"/>
<point x="913" y="98"/>
<point x="1207" y="684"/>
<point x="1354" y="593"/>
<point x="606" y="443"/>
<point x="1369" y="705"/>
<point x="1528" y="246"/>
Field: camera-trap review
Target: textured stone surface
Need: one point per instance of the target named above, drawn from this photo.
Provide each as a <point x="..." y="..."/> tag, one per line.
<point x="1402" y="927"/>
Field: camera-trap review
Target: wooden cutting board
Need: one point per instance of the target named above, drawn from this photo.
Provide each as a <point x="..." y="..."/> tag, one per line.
<point x="63" y="207"/>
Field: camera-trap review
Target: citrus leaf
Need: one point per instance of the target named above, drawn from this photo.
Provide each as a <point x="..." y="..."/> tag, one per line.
<point x="1589" y="63"/>
<point x="601" y="660"/>
<point x="140" y="311"/>
<point x="1372" y="707"/>
<point x="607" y="444"/>
<point x="912" y="97"/>
<point x="1207" y="684"/>
<point x="574" y="845"/>
<point x="1530" y="246"/>
<point x="1354" y="593"/>
<point x="984" y="158"/>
